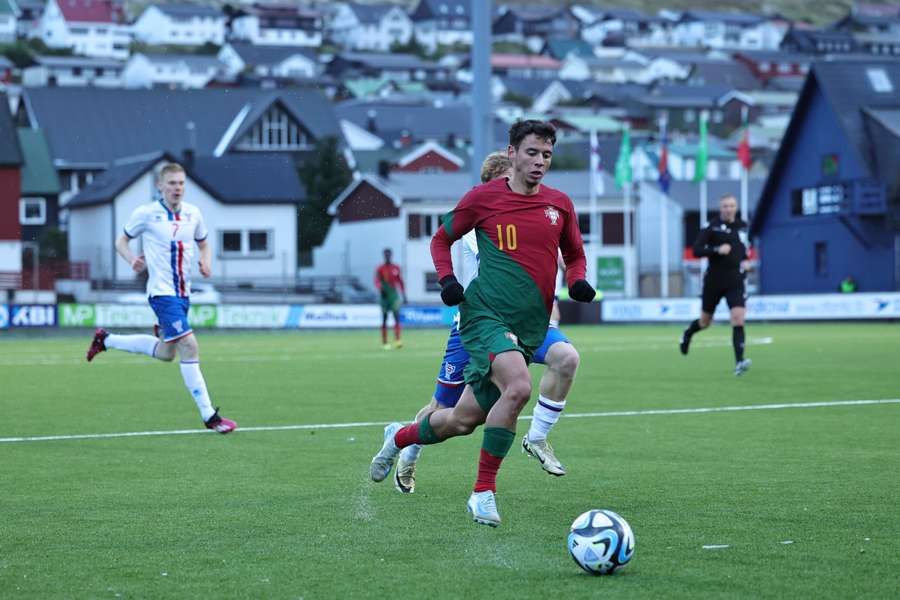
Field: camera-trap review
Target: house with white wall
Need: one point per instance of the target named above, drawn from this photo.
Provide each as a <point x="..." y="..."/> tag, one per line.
<point x="372" y="27"/>
<point x="295" y="62"/>
<point x="403" y="212"/>
<point x="252" y="221"/>
<point x="732" y="30"/>
<point x="177" y="71"/>
<point x="9" y="16"/>
<point x="282" y="24"/>
<point x="180" y="24"/>
<point x="442" y="23"/>
<point x="73" y="71"/>
<point x="89" y="27"/>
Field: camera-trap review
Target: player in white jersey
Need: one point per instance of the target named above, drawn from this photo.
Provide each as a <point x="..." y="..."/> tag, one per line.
<point x="169" y="229"/>
<point x="556" y="353"/>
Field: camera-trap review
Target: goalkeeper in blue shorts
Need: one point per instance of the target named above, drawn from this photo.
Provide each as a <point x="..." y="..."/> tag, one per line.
<point x="556" y="353"/>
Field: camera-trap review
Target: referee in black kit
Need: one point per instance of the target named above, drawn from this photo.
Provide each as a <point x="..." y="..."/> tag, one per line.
<point x="724" y="242"/>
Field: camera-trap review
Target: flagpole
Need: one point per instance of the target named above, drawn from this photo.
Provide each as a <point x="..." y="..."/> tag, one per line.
<point x="704" y="187"/>
<point x="626" y="209"/>
<point x="745" y="173"/>
<point x="664" y="229"/>
<point x="592" y="205"/>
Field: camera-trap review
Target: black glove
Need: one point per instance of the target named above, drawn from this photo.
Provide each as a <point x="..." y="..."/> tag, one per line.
<point x="582" y="291"/>
<point x="452" y="292"/>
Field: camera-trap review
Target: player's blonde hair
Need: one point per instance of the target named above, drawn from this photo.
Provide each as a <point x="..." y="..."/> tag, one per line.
<point x="170" y="168"/>
<point x="495" y="165"/>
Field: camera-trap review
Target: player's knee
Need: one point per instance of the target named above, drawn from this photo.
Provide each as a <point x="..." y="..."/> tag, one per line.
<point x="165" y="352"/>
<point x="568" y="362"/>
<point x="188" y="348"/>
<point x="519" y="391"/>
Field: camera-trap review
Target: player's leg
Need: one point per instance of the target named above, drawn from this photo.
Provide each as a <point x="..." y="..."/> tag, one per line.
<point x="166" y="312"/>
<point x="396" y="312"/>
<point x="434" y="428"/>
<point x="509" y="373"/>
<point x="561" y="359"/>
<point x="712" y="294"/>
<point x="405" y="475"/>
<point x="736" y="302"/>
<point x="189" y="354"/>
<point x="384" y="328"/>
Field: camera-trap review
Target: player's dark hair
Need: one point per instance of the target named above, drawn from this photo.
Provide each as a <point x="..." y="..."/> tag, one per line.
<point x="522" y="129"/>
<point x="728" y="195"/>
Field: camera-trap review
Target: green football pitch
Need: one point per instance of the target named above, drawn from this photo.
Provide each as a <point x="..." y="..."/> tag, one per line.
<point x="784" y="502"/>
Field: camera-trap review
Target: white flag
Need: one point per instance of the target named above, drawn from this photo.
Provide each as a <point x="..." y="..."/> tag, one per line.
<point x="596" y="170"/>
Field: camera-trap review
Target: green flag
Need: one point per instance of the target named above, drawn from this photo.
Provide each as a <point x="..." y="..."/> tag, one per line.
<point x="623" y="163"/>
<point x="702" y="152"/>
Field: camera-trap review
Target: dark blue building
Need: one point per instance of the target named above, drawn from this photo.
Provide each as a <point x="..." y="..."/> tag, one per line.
<point x="831" y="206"/>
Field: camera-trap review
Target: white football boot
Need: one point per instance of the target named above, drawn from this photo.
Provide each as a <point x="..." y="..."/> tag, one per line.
<point x="483" y="507"/>
<point x="543" y="451"/>
<point x="384" y="460"/>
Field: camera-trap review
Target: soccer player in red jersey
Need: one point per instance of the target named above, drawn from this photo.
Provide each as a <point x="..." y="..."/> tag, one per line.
<point x="520" y="225"/>
<point x="389" y="283"/>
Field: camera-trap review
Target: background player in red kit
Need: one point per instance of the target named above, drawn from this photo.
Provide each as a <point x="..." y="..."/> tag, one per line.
<point x="520" y="226"/>
<point x="390" y="285"/>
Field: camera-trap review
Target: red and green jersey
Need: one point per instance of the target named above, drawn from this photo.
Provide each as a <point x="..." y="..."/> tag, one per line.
<point x="388" y="280"/>
<point x="519" y="238"/>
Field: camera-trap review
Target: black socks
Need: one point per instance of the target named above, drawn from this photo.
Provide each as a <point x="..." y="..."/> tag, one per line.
<point x="737" y="340"/>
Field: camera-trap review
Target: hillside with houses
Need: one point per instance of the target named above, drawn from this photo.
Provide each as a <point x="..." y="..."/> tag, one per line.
<point x="351" y="122"/>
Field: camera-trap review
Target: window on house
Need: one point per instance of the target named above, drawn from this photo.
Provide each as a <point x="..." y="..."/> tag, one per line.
<point x="784" y="68"/>
<point x="259" y="242"/>
<point x="32" y="211"/>
<point x="821" y="259"/>
<point x="76" y="71"/>
<point x="275" y="131"/>
<point x="613" y="228"/>
<point x="584" y="224"/>
<point x="879" y="80"/>
<point x="231" y="243"/>
<point x="690" y="115"/>
<point x="413" y="226"/>
<point x="431" y="282"/>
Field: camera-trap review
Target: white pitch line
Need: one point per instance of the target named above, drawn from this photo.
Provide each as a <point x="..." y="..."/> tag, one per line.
<point x="622" y="413"/>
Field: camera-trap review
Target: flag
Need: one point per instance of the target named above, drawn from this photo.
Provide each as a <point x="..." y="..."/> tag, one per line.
<point x="596" y="162"/>
<point x="623" y="162"/>
<point x="743" y="150"/>
<point x="702" y="152"/>
<point x="664" y="178"/>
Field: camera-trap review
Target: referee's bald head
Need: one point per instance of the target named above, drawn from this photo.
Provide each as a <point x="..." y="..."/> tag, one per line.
<point x="728" y="207"/>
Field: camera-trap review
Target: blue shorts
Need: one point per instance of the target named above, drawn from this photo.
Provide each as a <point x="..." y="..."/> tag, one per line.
<point x="172" y="315"/>
<point x="450" y="380"/>
<point x="554" y="335"/>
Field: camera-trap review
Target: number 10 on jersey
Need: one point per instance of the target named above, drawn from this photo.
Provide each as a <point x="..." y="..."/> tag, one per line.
<point x="510" y="241"/>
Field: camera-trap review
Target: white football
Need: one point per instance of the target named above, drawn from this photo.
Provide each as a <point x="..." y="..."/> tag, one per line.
<point x="601" y="542"/>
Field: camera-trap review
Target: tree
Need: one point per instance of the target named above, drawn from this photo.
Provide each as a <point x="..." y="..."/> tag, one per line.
<point x="410" y="47"/>
<point x="324" y="174"/>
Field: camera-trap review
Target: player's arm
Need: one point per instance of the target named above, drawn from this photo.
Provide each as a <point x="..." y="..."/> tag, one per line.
<point x="454" y="225"/>
<point x="205" y="257"/>
<point x="703" y="245"/>
<point x="133" y="229"/>
<point x="572" y="247"/>
<point x="401" y="286"/>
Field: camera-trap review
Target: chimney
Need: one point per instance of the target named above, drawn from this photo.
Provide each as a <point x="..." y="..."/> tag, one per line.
<point x="190" y="150"/>
<point x="384" y="169"/>
<point x="371" y="125"/>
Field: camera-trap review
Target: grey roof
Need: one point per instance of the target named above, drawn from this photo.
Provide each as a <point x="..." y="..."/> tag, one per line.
<point x="725" y="17"/>
<point x="775" y="56"/>
<point x="116" y="123"/>
<point x="186" y="11"/>
<point x="232" y="178"/>
<point x="685" y="95"/>
<point x="10" y="154"/>
<point x="78" y="61"/>
<point x="436" y="9"/>
<point x="388" y="60"/>
<point x="371" y="13"/>
<point x="254" y="55"/>
<point x="5" y="63"/>
<point x="732" y="74"/>
<point x="422" y="120"/>
<point x="687" y="193"/>
<point x="195" y="62"/>
<point x="529" y="87"/>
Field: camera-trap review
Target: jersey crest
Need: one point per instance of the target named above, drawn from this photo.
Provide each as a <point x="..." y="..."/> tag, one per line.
<point x="552" y="214"/>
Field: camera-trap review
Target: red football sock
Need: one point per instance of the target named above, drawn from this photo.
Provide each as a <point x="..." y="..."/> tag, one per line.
<point x="488" y="465"/>
<point x="397" y="330"/>
<point x="384" y="334"/>
<point x="407" y="436"/>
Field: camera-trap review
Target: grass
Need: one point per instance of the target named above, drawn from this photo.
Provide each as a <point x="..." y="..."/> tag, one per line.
<point x="290" y="514"/>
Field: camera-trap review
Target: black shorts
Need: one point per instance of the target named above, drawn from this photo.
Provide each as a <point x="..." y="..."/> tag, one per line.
<point x="715" y="288"/>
